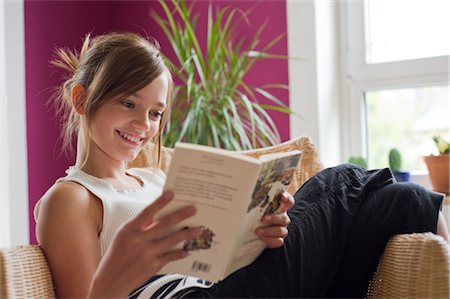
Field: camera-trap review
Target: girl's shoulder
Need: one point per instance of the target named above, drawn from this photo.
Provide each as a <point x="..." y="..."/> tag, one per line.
<point x="64" y="197"/>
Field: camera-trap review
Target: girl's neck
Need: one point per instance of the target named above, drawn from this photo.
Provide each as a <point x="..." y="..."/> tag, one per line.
<point x="100" y="165"/>
<point x="114" y="172"/>
<point x="97" y="168"/>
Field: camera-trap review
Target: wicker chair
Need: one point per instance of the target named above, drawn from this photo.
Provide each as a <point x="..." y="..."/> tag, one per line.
<point x="412" y="266"/>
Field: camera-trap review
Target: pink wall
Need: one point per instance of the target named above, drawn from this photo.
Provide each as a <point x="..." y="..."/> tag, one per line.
<point x="64" y="23"/>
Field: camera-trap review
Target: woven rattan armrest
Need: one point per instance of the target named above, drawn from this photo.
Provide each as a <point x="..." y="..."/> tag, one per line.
<point x="413" y="266"/>
<point x="24" y="273"/>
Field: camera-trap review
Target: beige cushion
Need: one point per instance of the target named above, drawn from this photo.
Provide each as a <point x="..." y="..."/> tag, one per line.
<point x="309" y="163"/>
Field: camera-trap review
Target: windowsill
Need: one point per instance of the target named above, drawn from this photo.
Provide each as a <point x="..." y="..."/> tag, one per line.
<point x="421" y="178"/>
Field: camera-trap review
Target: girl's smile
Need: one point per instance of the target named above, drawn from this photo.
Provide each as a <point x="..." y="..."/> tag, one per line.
<point x="130" y="138"/>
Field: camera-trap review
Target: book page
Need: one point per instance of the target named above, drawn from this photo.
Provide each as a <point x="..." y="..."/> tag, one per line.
<point x="220" y="186"/>
<point x="273" y="180"/>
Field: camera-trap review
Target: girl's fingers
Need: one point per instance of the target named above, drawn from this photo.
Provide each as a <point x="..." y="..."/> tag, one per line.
<point x="168" y="242"/>
<point x="273" y="242"/>
<point x="160" y="227"/>
<point x="272" y="232"/>
<point x="170" y="256"/>
<point x="144" y="219"/>
<point x="276" y="219"/>
<point x="287" y="201"/>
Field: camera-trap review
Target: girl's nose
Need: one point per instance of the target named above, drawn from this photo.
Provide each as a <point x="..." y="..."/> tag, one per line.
<point x="141" y="122"/>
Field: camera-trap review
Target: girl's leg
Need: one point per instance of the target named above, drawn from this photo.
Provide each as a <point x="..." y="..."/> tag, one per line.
<point x="322" y="218"/>
<point x="394" y="209"/>
<point x="341" y="222"/>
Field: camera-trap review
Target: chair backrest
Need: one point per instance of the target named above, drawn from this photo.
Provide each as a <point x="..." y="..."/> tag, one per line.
<point x="413" y="266"/>
<point x="308" y="165"/>
<point x="24" y="273"/>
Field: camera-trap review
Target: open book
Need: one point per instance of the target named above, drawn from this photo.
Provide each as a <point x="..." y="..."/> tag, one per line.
<point x="232" y="192"/>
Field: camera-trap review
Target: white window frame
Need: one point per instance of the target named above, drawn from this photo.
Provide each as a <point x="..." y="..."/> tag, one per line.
<point x="361" y="77"/>
<point x="14" y="205"/>
<point x="314" y="80"/>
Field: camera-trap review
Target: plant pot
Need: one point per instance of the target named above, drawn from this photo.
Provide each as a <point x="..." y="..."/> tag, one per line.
<point x="402" y="176"/>
<point x="438" y="169"/>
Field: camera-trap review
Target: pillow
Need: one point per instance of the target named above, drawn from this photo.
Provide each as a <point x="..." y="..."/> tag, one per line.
<point x="308" y="165"/>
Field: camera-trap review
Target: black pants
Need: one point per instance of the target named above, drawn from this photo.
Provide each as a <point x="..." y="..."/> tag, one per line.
<point x="341" y="221"/>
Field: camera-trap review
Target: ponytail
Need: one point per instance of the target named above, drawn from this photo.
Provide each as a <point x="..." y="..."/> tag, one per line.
<point x="68" y="61"/>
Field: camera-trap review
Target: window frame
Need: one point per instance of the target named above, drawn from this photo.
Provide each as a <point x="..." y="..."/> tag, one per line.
<point x="14" y="197"/>
<point x="360" y="76"/>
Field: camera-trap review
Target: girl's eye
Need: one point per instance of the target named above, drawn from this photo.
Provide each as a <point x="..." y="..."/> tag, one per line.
<point x="128" y="104"/>
<point x="156" y="115"/>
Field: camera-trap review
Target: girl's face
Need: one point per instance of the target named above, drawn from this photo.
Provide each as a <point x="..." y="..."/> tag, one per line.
<point x="123" y="125"/>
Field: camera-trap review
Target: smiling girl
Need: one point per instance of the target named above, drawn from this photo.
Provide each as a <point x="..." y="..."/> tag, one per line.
<point x="96" y="224"/>
<point x="117" y="100"/>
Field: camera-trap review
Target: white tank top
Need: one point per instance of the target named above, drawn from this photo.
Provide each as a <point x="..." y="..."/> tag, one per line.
<point x="118" y="205"/>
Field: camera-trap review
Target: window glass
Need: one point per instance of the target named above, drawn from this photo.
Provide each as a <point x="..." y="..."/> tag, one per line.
<point x="406" y="29"/>
<point x="406" y="119"/>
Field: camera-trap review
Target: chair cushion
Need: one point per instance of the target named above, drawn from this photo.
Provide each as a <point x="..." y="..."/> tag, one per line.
<point x="308" y="165"/>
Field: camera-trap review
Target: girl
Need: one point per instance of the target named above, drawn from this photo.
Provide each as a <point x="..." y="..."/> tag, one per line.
<point x="96" y="224"/>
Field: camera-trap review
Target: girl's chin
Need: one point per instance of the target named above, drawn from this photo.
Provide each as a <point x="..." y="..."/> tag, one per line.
<point x="132" y="157"/>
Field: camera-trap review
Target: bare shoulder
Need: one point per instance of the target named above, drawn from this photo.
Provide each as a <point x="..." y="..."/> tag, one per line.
<point x="68" y="203"/>
<point x="68" y="225"/>
<point x="63" y="196"/>
<point x="68" y="190"/>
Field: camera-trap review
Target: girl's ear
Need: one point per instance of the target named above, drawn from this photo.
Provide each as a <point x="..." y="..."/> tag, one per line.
<point x="78" y="98"/>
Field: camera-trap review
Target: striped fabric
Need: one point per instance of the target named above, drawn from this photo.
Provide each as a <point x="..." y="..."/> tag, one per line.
<point x="169" y="286"/>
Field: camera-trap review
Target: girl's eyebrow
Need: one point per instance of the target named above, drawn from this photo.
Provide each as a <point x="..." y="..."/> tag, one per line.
<point x="160" y="104"/>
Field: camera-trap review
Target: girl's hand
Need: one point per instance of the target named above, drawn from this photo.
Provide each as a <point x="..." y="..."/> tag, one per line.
<point x="140" y="248"/>
<point x="275" y="225"/>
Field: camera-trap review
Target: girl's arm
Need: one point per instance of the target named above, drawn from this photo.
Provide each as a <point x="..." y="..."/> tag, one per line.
<point x="67" y="228"/>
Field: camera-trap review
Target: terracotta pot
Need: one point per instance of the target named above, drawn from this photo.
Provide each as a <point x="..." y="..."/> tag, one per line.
<point x="438" y="169"/>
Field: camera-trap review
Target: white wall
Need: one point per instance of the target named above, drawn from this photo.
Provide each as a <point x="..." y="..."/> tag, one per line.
<point x="14" y="179"/>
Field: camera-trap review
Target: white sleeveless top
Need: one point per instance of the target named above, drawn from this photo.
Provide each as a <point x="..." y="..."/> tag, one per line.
<point x="118" y="205"/>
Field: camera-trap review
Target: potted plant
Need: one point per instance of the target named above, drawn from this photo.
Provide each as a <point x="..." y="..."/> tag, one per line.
<point x="438" y="166"/>
<point x="358" y="160"/>
<point x="395" y="164"/>
<point x="212" y="105"/>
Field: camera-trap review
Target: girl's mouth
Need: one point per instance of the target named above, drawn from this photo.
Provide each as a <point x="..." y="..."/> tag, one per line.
<point x="129" y="138"/>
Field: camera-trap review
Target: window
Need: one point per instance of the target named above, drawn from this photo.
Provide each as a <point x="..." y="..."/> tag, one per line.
<point x="406" y="118"/>
<point x="396" y="70"/>
<point x="406" y="29"/>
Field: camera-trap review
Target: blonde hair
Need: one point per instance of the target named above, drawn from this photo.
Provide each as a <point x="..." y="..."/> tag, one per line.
<point x="108" y="66"/>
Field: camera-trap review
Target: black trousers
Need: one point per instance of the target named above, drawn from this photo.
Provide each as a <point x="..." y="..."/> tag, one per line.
<point x="341" y="221"/>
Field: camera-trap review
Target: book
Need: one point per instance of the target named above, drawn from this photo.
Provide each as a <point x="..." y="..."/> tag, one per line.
<point x="232" y="192"/>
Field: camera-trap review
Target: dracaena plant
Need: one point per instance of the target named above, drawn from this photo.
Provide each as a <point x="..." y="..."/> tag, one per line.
<point x="213" y="105"/>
